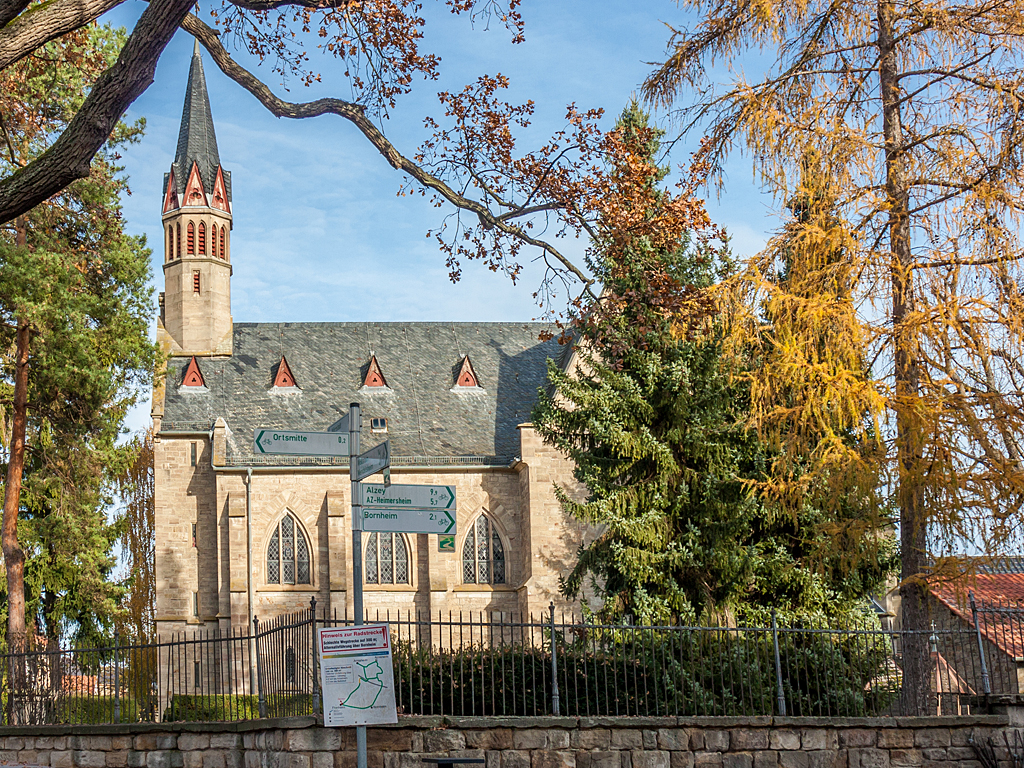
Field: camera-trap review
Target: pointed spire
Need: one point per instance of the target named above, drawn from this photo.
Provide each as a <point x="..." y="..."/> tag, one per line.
<point x="197" y="142"/>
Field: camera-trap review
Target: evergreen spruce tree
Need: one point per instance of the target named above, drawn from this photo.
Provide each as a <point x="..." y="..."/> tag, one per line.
<point x="654" y="416"/>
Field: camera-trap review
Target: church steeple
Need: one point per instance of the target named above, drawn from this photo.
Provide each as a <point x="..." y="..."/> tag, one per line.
<point x="196" y="303"/>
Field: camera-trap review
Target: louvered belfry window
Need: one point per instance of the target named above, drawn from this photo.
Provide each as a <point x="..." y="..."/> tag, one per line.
<point x="288" y="554"/>
<point x="190" y="243"/>
<point x="202" y="238"/>
<point x="387" y="559"/>
<point x="483" y="555"/>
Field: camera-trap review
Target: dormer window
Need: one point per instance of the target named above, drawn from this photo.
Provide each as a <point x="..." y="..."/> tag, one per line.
<point x="378" y="426"/>
<point x="283" y="377"/>
<point x="374" y="376"/>
<point x="193" y="376"/>
<point x="466" y="378"/>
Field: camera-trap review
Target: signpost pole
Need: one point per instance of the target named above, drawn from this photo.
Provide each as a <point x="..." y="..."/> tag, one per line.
<point x="354" y="425"/>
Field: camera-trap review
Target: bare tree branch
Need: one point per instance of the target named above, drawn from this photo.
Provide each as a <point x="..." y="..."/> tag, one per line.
<point x="356" y="115"/>
<point x="68" y="158"/>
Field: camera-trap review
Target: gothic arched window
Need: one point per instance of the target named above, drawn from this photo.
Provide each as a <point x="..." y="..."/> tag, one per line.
<point x="190" y="245"/>
<point x="288" y="554"/>
<point x="483" y="555"/>
<point x="177" y="240"/>
<point x="387" y="559"/>
<point x="202" y="238"/>
<point x="213" y="239"/>
<point x="170" y="243"/>
<point x="222" y="232"/>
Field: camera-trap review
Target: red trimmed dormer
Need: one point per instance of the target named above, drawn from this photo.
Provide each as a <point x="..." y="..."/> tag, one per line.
<point x="220" y="193"/>
<point x="171" y="194"/>
<point x="194" y="193"/>
<point x="374" y="375"/>
<point x="193" y="376"/>
<point x="467" y="376"/>
<point x="284" y="377"/>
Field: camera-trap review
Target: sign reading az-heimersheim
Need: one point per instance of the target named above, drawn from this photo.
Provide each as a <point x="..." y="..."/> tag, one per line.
<point x="408" y="508"/>
<point x="300" y="443"/>
<point x="408" y="496"/>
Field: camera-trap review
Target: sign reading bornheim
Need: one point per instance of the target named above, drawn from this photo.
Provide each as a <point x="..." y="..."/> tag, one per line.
<point x="300" y="443"/>
<point x="409" y="520"/>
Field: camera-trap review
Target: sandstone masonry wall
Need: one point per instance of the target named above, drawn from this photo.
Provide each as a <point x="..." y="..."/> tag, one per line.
<point x="545" y="742"/>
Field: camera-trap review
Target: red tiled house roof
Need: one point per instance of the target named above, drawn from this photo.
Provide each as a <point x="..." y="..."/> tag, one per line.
<point x="999" y="586"/>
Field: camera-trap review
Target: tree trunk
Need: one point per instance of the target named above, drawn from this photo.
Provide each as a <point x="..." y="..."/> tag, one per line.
<point x="14" y="556"/>
<point x="909" y="427"/>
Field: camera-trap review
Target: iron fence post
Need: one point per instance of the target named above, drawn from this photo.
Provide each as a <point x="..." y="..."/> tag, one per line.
<point x="555" y="704"/>
<point x="780" y="692"/>
<point x="316" y="655"/>
<point x="117" y="678"/>
<point x="259" y="667"/>
<point x="986" y="683"/>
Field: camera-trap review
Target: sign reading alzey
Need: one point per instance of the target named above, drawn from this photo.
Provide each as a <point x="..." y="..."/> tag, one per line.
<point x="356" y="675"/>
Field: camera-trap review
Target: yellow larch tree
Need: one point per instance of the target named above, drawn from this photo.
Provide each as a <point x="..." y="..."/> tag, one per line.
<point x="914" y="109"/>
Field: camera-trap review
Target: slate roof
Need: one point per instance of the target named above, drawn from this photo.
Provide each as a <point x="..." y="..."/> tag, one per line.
<point x="428" y="423"/>
<point x="197" y="141"/>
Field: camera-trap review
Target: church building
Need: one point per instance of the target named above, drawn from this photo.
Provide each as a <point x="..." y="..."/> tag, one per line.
<point x="454" y="399"/>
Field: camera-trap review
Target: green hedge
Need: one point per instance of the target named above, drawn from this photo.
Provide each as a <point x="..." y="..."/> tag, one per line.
<point x="88" y="710"/>
<point x="218" y="708"/>
<point x="212" y="708"/>
<point x="651" y="672"/>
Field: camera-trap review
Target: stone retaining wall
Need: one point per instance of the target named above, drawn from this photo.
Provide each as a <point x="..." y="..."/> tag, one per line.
<point x="548" y="742"/>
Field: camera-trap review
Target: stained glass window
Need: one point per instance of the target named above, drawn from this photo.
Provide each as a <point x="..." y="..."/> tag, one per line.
<point x="386" y="560"/>
<point x="483" y="555"/>
<point x="288" y="554"/>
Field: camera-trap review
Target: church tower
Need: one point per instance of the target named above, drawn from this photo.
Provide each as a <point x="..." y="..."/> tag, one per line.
<point x="195" y="307"/>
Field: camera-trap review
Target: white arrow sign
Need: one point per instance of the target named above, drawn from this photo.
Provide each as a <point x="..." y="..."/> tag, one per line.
<point x="300" y="443"/>
<point x="407" y="496"/>
<point x="409" y="520"/>
<point x="374" y="460"/>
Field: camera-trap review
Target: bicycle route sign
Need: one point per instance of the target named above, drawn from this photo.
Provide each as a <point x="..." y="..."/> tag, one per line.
<point x="408" y="508"/>
<point x="356" y="676"/>
<point x="284" y="441"/>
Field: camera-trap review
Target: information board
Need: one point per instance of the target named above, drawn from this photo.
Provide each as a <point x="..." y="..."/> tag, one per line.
<point x="356" y="675"/>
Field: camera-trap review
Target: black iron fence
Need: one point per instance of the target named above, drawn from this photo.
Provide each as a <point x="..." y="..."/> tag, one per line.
<point x="508" y="664"/>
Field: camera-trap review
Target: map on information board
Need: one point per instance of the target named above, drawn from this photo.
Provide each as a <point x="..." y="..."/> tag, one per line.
<point x="356" y="675"/>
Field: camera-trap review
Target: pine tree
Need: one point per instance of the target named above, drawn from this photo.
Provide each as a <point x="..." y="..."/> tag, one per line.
<point x="74" y="310"/>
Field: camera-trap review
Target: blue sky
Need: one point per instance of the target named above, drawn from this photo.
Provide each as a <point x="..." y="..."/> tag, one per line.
<point x="319" y="232"/>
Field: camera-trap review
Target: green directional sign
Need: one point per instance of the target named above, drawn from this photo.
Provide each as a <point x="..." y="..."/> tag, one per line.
<point x="300" y="443"/>
<point x="408" y="520"/>
<point x="408" y="508"/>
<point x="407" y="496"/>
